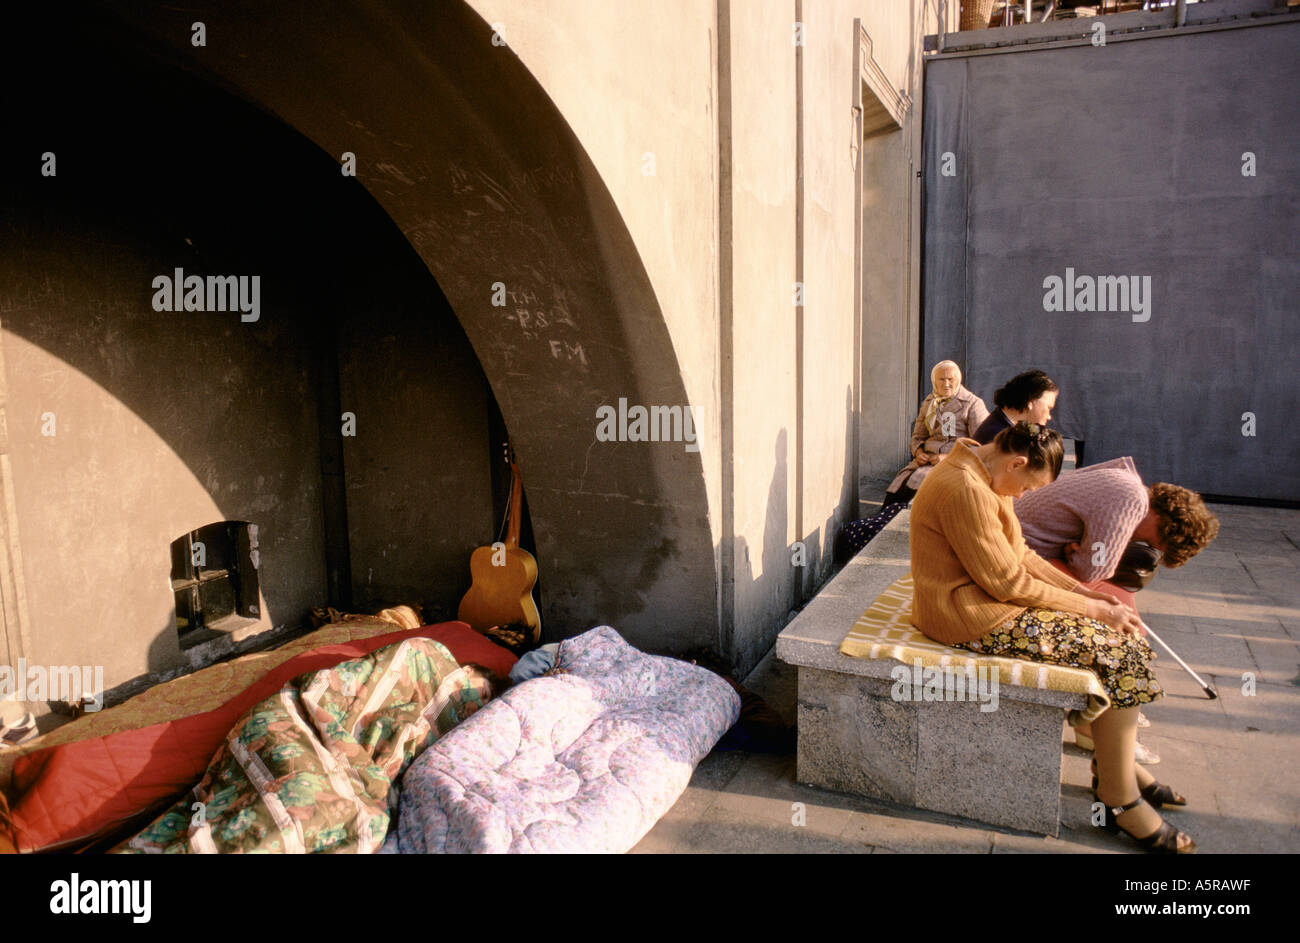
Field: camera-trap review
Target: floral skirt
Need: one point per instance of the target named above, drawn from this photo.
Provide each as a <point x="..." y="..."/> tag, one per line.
<point x="1062" y="638"/>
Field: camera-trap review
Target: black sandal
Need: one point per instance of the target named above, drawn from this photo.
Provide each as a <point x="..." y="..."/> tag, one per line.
<point x="1158" y="794"/>
<point x="1163" y="841"/>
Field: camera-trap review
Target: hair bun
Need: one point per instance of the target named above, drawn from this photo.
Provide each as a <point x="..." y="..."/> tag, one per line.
<point x="1041" y="445"/>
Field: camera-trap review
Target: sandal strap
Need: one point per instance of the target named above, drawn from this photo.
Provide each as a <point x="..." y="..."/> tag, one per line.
<point x="1156" y="793"/>
<point x="1118" y="810"/>
<point x="1160" y="794"/>
<point x="1164" y="840"/>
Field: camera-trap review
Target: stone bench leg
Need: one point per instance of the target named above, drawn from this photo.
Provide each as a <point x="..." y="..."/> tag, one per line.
<point x="1002" y="767"/>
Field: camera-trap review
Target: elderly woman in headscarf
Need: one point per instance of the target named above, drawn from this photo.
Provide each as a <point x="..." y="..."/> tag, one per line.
<point x="950" y="412"/>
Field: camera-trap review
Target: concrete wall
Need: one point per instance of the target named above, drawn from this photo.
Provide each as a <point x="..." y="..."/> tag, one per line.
<point x="893" y="379"/>
<point x="490" y="188"/>
<point x="1104" y="171"/>
<point x="167" y="421"/>
<point x="637" y="85"/>
<point x="829" y="367"/>
<point x="886" y="312"/>
<point x="419" y="495"/>
<point x="765" y="409"/>
<point x="163" y="423"/>
<point x="783" y="469"/>
<point x="648" y="183"/>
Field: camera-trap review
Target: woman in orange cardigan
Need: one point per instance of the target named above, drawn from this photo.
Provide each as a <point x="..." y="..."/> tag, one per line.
<point x="978" y="586"/>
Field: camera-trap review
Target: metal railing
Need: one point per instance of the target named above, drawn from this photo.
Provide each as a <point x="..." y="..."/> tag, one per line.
<point x="1020" y="12"/>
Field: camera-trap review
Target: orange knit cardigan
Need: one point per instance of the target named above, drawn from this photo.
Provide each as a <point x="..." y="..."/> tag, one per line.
<point x="971" y="568"/>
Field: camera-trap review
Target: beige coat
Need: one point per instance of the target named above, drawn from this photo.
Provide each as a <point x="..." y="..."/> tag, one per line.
<point x="967" y="413"/>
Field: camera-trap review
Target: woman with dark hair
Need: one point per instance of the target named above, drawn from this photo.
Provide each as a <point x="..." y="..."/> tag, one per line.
<point x="1027" y="397"/>
<point x="978" y="586"/>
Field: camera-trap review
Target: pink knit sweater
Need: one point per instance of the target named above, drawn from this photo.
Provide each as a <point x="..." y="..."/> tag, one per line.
<point x="1098" y="507"/>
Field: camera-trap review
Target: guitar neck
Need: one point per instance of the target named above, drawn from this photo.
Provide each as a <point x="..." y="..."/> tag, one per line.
<point x="516" y="506"/>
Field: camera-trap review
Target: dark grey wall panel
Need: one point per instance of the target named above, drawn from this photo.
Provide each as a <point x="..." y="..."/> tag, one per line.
<point x="1127" y="160"/>
<point x="943" y="272"/>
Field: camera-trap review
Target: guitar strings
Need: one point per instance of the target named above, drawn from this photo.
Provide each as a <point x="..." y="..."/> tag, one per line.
<point x="505" y="516"/>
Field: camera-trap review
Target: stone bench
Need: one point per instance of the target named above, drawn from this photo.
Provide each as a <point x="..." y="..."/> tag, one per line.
<point x="1002" y="767"/>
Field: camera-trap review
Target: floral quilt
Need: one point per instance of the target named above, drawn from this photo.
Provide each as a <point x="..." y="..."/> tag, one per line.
<point x="583" y="759"/>
<point x="315" y="767"/>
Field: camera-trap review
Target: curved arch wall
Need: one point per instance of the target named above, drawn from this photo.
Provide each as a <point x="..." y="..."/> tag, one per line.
<point x="641" y="189"/>
<point x="489" y="189"/>
<point x="129" y="426"/>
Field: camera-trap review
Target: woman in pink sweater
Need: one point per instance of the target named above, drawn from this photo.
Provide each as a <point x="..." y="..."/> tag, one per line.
<point x="1089" y="520"/>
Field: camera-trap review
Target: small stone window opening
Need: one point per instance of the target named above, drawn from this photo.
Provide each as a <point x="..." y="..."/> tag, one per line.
<point x="214" y="577"/>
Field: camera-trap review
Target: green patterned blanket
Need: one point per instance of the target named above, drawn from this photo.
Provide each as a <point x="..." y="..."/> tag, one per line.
<point x="315" y="767"/>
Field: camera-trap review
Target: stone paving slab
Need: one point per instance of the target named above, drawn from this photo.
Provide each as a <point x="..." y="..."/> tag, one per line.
<point x="1231" y="610"/>
<point x="1278" y="660"/>
<point x="1241" y="629"/>
<point x="722" y="831"/>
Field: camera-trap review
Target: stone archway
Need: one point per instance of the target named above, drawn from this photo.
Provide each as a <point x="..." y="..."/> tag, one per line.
<point x="468" y="156"/>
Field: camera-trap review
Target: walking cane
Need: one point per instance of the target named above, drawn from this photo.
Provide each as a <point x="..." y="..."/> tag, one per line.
<point x="1208" y="691"/>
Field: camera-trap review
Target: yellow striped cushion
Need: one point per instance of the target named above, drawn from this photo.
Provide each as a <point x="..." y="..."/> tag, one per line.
<point x="885" y="631"/>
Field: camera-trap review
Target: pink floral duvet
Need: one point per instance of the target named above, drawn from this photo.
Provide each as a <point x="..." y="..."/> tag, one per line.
<point x="584" y="759"/>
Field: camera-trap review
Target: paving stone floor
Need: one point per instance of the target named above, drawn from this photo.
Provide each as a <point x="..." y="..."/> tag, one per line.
<point x="1232" y="613"/>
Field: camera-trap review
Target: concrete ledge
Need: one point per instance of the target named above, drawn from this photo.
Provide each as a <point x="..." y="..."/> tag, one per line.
<point x="1001" y="767"/>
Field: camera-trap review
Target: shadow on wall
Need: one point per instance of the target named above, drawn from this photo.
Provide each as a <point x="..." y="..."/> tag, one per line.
<point x="846" y="510"/>
<point x="499" y="191"/>
<point x="789" y="573"/>
<point x="821" y="541"/>
<point x="162" y="665"/>
<point x="168" y="419"/>
<point x="762" y="601"/>
<point x="162" y="650"/>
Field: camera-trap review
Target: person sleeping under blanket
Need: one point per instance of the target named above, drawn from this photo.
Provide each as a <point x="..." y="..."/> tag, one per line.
<point x="760" y="728"/>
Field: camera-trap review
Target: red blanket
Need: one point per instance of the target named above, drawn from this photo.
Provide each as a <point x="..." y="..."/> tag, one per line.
<point x="69" y="794"/>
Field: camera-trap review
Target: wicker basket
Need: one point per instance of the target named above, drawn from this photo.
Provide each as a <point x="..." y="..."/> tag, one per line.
<point x="976" y="14"/>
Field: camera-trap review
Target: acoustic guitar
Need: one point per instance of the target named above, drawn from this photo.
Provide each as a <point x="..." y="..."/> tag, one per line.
<point x="503" y="575"/>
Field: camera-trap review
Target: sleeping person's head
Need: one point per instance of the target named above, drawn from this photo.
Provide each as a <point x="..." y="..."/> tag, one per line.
<point x="494" y="685"/>
<point x="462" y="693"/>
<point x="1023" y="458"/>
